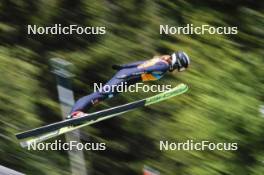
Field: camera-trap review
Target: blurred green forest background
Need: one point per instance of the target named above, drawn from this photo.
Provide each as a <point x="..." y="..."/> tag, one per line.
<point x="222" y="105"/>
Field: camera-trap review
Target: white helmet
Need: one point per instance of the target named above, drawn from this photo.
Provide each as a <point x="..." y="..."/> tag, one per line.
<point x="180" y="61"/>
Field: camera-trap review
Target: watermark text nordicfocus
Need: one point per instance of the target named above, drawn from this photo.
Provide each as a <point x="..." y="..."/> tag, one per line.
<point x="58" y="145"/>
<point x="125" y="87"/>
<point x="190" y="145"/>
<point x="190" y="29"/>
<point x="59" y="29"/>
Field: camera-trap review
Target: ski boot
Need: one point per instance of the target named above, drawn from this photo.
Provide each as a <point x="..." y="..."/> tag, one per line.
<point x="75" y="114"/>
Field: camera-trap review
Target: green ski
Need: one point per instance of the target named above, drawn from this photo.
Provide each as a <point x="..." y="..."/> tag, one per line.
<point x="52" y="130"/>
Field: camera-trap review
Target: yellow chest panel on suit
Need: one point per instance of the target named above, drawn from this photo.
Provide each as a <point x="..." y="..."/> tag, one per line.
<point x="149" y="63"/>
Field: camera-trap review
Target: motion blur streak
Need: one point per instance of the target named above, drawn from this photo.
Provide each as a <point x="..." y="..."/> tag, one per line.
<point x="225" y="80"/>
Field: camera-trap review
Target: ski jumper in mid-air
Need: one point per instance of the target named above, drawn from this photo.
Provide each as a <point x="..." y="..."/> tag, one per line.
<point x="132" y="73"/>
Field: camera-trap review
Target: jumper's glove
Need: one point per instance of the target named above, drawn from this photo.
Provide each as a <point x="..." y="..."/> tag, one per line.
<point x="117" y="67"/>
<point x="76" y="114"/>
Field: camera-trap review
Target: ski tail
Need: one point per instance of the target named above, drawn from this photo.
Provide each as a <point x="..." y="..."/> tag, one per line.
<point x="52" y="130"/>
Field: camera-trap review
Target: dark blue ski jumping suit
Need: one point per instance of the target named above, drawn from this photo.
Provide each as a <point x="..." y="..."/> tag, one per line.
<point x="149" y="70"/>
